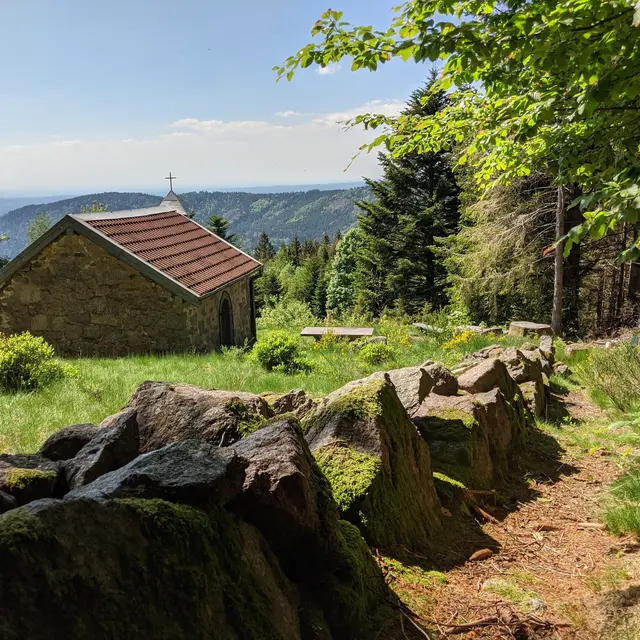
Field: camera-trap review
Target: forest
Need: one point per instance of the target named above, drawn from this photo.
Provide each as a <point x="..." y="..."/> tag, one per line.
<point x="510" y="180"/>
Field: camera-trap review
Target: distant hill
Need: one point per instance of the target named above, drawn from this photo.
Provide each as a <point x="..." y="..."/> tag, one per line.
<point x="8" y="203"/>
<point x="282" y="215"/>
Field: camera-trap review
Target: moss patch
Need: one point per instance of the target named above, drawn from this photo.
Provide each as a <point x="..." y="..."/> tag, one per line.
<point x="349" y="472"/>
<point x="360" y="403"/>
<point x="248" y="421"/>
<point x="20" y="479"/>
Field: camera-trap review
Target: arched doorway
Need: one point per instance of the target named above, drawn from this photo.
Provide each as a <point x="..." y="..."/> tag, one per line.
<point x="226" y="322"/>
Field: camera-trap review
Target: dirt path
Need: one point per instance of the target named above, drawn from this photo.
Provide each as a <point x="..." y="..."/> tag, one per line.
<point x="554" y="571"/>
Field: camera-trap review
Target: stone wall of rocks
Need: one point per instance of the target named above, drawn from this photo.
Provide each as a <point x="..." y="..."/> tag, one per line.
<point x="262" y="519"/>
<point x="85" y="301"/>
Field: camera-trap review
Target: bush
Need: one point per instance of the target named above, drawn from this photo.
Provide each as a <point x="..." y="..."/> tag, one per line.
<point x="614" y="373"/>
<point x="281" y="352"/>
<point x="376" y="353"/>
<point x="291" y="315"/>
<point x="28" y="362"/>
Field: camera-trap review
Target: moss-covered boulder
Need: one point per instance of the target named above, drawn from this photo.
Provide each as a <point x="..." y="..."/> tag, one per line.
<point x="144" y="569"/>
<point x="28" y="477"/>
<point x="472" y="438"/>
<point x="112" y="447"/>
<point x="457" y="438"/>
<point x="216" y="558"/>
<point x="175" y="412"/>
<point x="378" y="465"/>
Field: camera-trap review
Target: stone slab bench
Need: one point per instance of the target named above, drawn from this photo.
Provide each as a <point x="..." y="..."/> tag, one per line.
<point x="343" y="332"/>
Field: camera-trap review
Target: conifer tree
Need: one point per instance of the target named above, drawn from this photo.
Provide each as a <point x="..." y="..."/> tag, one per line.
<point x="415" y="202"/>
<point x="220" y="226"/>
<point x="264" y="251"/>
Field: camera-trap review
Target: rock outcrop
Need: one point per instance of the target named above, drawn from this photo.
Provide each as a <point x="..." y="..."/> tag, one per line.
<point x="378" y="465"/>
<point x="175" y="412"/>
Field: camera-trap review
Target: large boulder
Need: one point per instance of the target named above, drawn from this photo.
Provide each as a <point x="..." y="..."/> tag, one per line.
<point x="472" y="438"/>
<point x="27" y="477"/>
<point x="378" y="465"/>
<point x="288" y="499"/>
<point x="524" y="328"/>
<point x="522" y="366"/>
<point x="200" y="564"/>
<point x="191" y="472"/>
<point x="175" y="412"/>
<point x="64" y="444"/>
<point x="79" y="569"/>
<point x="488" y="374"/>
<point x="113" y="447"/>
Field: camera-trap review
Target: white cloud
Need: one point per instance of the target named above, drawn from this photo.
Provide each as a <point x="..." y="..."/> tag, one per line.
<point x="299" y="150"/>
<point x="329" y="70"/>
<point x="288" y="114"/>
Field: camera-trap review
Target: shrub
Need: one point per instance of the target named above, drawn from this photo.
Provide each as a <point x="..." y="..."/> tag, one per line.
<point x="376" y="353"/>
<point x="614" y="373"/>
<point x="28" y="362"/>
<point x="280" y="351"/>
<point x="292" y="315"/>
<point x="458" y="339"/>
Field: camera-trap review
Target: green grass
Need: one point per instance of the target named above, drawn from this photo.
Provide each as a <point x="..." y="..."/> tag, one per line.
<point x="104" y="386"/>
<point x="622" y="512"/>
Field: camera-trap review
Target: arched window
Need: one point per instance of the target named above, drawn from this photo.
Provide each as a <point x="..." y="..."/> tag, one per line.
<point x="226" y="321"/>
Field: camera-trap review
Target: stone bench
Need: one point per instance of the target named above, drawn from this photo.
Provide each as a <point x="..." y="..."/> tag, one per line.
<point x="343" y="332"/>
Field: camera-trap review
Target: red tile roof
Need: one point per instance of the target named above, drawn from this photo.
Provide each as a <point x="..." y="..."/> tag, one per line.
<point x="177" y="247"/>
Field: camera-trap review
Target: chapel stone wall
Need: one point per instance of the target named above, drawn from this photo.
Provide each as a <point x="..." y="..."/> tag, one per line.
<point x="86" y="302"/>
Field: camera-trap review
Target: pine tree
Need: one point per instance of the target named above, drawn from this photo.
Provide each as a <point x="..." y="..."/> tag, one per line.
<point x="264" y="251"/>
<point x="295" y="251"/>
<point x="415" y="202"/>
<point x="220" y="226"/>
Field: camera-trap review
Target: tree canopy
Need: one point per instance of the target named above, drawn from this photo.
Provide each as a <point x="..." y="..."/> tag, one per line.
<point x="532" y="84"/>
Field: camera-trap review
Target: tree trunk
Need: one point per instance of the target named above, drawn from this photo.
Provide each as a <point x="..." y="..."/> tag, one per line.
<point x="556" y="314"/>
<point x="634" y="281"/>
<point x="572" y="271"/>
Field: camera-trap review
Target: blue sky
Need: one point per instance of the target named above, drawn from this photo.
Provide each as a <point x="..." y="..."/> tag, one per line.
<point x="113" y="94"/>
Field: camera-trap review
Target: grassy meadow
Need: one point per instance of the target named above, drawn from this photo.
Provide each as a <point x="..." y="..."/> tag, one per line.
<point x="104" y="386"/>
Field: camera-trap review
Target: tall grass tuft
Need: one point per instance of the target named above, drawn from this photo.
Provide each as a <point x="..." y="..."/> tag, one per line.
<point x="613" y="374"/>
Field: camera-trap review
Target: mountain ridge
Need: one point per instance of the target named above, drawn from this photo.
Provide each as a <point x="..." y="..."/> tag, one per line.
<point x="282" y="215"/>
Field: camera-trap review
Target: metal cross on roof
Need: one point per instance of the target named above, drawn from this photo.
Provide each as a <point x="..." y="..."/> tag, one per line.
<point x="170" y="178"/>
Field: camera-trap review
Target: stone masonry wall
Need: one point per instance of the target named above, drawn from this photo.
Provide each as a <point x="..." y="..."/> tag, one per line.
<point x="85" y="301"/>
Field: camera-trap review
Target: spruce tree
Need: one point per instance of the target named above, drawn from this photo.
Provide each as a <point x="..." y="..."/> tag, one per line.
<point x="415" y="202"/>
<point x="220" y="226"/>
<point x="264" y="251"/>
